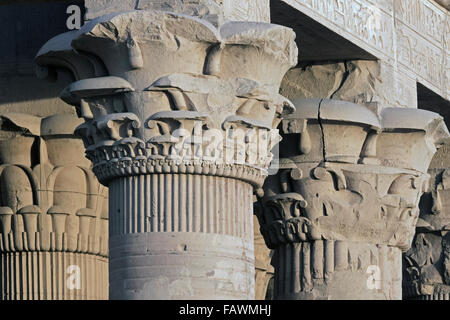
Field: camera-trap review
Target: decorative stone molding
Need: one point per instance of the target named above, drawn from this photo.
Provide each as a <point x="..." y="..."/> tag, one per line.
<point x="53" y="212"/>
<point x="410" y="38"/>
<point x="345" y="198"/>
<point x="426" y="265"/>
<point x="178" y="112"/>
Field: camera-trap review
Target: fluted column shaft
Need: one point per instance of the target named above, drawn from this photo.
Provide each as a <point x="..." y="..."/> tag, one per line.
<point x="185" y="236"/>
<point x="179" y="114"/>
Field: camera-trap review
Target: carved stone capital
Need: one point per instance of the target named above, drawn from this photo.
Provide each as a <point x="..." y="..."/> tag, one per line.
<point x="53" y="211"/>
<point x="180" y="117"/>
<point x="339" y="201"/>
<point x="164" y="92"/>
<point x="349" y="174"/>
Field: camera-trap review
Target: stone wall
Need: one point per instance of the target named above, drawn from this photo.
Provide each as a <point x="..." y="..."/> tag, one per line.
<point x="410" y="36"/>
<point x="256" y="10"/>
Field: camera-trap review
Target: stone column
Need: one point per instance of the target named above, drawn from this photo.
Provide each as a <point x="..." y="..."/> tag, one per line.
<point x="426" y="266"/>
<point x="53" y="212"/>
<point x="263" y="268"/>
<point x="344" y="203"/>
<point x="179" y="115"/>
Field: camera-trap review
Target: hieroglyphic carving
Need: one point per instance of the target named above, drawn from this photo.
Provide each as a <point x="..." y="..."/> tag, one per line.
<point x="424" y="57"/>
<point x="372" y="24"/>
<point x="408" y="32"/>
<point x="200" y="114"/>
<point x="426" y="266"/>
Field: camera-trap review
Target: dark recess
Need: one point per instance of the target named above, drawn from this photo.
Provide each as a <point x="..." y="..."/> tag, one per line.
<point x="428" y="100"/>
<point x="317" y="44"/>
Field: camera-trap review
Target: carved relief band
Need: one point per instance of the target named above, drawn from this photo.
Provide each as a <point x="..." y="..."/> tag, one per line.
<point x="344" y="203"/>
<point x="53" y="212"/>
<point x="180" y="116"/>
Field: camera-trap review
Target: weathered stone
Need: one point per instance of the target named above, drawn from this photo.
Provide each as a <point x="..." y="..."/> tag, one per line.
<point x="315" y="81"/>
<point x="359" y="81"/>
<point x="138" y="151"/>
<point x="256" y="10"/>
<point x="208" y="10"/>
<point x="53" y="212"/>
<point x="444" y="3"/>
<point x="409" y="37"/>
<point x="214" y="11"/>
<point x="96" y="8"/>
<point x="263" y="268"/>
<point x="344" y="203"/>
<point x="39" y="98"/>
<point x="179" y="123"/>
<point x="441" y="159"/>
<point x="426" y="267"/>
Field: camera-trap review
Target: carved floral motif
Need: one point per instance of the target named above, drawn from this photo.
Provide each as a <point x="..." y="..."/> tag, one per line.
<point x="189" y="98"/>
<point x="348" y="175"/>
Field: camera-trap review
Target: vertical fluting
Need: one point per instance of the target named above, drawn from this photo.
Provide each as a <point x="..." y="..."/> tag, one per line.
<point x="190" y="209"/>
<point x="188" y="237"/>
<point x="320" y="269"/>
<point x="48" y="275"/>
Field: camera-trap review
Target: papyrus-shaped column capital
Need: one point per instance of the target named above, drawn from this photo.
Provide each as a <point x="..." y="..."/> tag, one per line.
<point x="47" y="187"/>
<point x="358" y="176"/>
<point x="180" y="118"/>
<point x="198" y="92"/>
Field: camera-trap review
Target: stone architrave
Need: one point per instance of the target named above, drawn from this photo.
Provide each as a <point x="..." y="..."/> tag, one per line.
<point x="53" y="212"/>
<point x="344" y="203"/>
<point x="179" y="123"/>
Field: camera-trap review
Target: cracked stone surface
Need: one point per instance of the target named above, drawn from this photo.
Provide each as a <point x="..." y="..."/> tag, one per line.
<point x="179" y="118"/>
<point x="345" y="201"/>
<point x="359" y="81"/>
